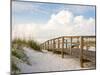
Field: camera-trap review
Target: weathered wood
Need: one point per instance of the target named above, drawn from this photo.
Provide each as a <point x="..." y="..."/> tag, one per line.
<point x="62" y="52"/>
<point x="48" y="45"/>
<point x="78" y="42"/>
<point x="71" y="36"/>
<point x="45" y="45"/>
<point x="87" y="41"/>
<point x="41" y="46"/>
<point x="58" y="44"/>
<point x="53" y="45"/>
<point x="89" y="36"/>
<point x="66" y="44"/>
<point x="81" y="51"/>
<point x="71" y="46"/>
<point x="60" y="40"/>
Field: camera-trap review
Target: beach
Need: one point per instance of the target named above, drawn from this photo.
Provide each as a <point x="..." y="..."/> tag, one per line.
<point x="47" y="61"/>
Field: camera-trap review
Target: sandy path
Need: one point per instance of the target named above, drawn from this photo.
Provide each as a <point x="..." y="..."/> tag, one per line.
<point x="47" y="61"/>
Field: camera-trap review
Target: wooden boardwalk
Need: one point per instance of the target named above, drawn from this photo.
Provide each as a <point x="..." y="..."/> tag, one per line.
<point x="73" y="45"/>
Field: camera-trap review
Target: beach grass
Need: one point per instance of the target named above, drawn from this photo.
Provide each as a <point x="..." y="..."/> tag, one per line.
<point x="20" y="55"/>
<point x="18" y="52"/>
<point x="19" y="43"/>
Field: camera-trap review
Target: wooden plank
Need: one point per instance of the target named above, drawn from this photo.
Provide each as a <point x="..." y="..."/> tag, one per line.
<point x="89" y="36"/>
<point x="62" y="52"/>
<point x="68" y="42"/>
<point x="71" y="36"/>
<point x="73" y="42"/>
<point x="81" y="51"/>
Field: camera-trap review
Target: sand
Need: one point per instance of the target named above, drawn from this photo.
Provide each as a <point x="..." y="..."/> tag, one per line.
<point x="47" y="61"/>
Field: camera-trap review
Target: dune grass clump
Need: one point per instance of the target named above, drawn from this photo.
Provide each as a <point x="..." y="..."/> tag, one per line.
<point x="15" y="69"/>
<point x="19" y="43"/>
<point x="18" y="54"/>
<point x="34" y="45"/>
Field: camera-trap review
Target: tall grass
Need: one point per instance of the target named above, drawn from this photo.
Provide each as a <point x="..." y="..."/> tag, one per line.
<point x="27" y="43"/>
<point x="20" y="55"/>
<point x="15" y="69"/>
<point x="18" y="52"/>
<point x="34" y="45"/>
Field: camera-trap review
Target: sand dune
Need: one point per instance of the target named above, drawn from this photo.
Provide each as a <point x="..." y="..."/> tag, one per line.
<point x="47" y="61"/>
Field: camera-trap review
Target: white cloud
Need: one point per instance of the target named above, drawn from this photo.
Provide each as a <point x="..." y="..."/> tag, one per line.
<point x="63" y="23"/>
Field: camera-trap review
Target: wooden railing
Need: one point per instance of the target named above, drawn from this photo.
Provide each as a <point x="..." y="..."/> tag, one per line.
<point x="65" y="43"/>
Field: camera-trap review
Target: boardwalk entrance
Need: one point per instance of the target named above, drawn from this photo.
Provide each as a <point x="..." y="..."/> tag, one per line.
<point x="77" y="46"/>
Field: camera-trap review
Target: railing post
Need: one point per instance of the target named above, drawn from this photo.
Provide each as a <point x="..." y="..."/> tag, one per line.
<point x="48" y="44"/>
<point x="41" y="46"/>
<point x="78" y="42"/>
<point x="58" y="44"/>
<point x="45" y="45"/>
<point x="53" y="45"/>
<point x="71" y="46"/>
<point x="62" y="52"/>
<point x="66" y="44"/>
<point x="87" y="43"/>
<point x="81" y="51"/>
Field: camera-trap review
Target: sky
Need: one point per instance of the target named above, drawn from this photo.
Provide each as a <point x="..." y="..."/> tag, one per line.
<point x="43" y="21"/>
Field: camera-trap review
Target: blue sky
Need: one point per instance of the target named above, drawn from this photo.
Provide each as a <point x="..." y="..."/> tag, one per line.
<point x="26" y="12"/>
<point x="43" y="21"/>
